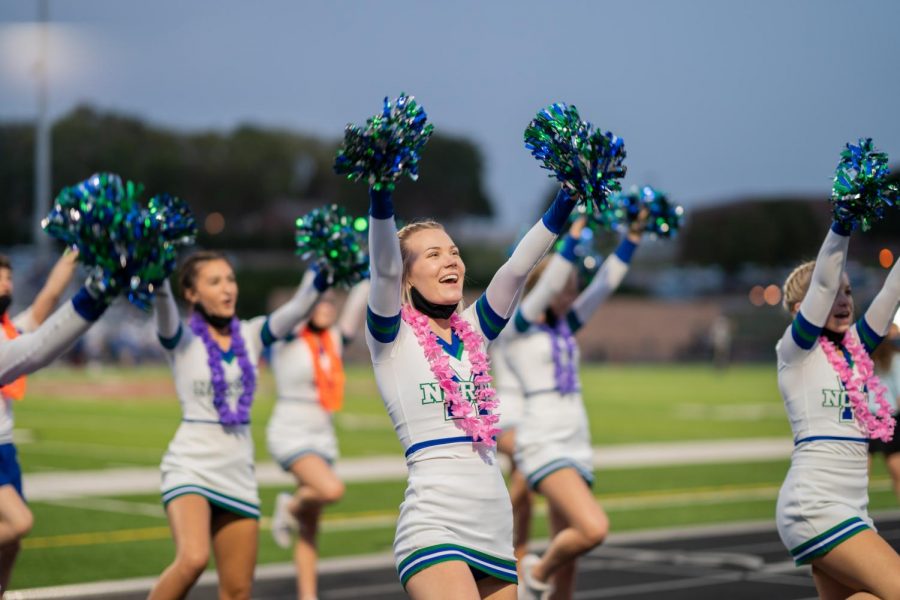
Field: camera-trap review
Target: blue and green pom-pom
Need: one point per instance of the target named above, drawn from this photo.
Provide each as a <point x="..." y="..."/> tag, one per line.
<point x="333" y="241"/>
<point x="861" y="193"/>
<point x="664" y="218"/>
<point x="127" y="248"/>
<point x="585" y="160"/>
<point x="388" y="147"/>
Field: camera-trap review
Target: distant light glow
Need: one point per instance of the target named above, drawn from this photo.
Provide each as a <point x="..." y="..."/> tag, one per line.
<point x="757" y="295"/>
<point x="214" y="223"/>
<point x="886" y="258"/>
<point x="772" y="295"/>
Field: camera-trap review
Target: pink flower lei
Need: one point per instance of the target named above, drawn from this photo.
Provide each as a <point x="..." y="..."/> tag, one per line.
<point x="479" y="426"/>
<point x="856" y="382"/>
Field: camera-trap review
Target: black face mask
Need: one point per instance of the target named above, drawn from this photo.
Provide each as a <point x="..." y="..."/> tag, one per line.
<point x="5" y="301"/>
<point x="216" y="321"/>
<point x="550" y="318"/>
<point x="833" y="336"/>
<point x="430" y="309"/>
<point x="313" y="327"/>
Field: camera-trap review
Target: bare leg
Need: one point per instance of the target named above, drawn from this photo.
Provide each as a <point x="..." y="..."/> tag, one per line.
<point x="491" y="588"/>
<point x="235" y="540"/>
<point x="863" y="563"/>
<point x="318" y="487"/>
<point x="189" y="519"/>
<point x="564" y="578"/>
<point x="893" y="465"/>
<point x="519" y="495"/>
<point x="832" y="589"/>
<point x="569" y="495"/>
<point x="451" y="580"/>
<point x="16" y="521"/>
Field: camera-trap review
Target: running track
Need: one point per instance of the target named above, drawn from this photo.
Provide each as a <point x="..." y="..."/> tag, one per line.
<point x="731" y="561"/>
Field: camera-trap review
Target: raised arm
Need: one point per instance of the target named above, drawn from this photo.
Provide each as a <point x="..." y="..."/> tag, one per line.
<point x="32" y="351"/>
<point x="168" y="322"/>
<point x="57" y="282"/>
<point x="874" y="325"/>
<point x="497" y="303"/>
<point x="386" y="269"/>
<point x="608" y="277"/>
<point x="354" y="311"/>
<point x="823" y="288"/>
<point x="551" y="282"/>
<point x="286" y="317"/>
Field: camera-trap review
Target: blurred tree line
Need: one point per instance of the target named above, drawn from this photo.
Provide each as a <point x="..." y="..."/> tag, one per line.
<point x="259" y="179"/>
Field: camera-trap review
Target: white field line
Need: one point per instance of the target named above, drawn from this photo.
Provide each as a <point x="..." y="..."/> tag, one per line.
<point x="145" y="480"/>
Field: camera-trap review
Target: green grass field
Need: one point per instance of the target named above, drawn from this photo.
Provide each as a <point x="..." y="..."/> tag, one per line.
<point x="91" y="420"/>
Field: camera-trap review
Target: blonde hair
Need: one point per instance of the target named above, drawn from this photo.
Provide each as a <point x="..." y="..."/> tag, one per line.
<point x="406" y="232"/>
<point x="797" y="284"/>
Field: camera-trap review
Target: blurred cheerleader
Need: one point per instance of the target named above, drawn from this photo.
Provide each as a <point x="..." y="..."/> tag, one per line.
<point x="309" y="377"/>
<point x="208" y="483"/>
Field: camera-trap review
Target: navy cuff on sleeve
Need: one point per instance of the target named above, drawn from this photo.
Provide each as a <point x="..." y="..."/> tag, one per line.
<point x="491" y="323"/>
<point x="867" y="335"/>
<point x="568" y="248"/>
<point x="321" y="280"/>
<point x="626" y="250"/>
<point x="841" y="229"/>
<point x="804" y="332"/>
<point x="521" y="322"/>
<point x="268" y="338"/>
<point x="556" y="216"/>
<point x="88" y="307"/>
<point x="381" y="205"/>
<point x="573" y="321"/>
<point x="383" y="329"/>
<point x="172" y="342"/>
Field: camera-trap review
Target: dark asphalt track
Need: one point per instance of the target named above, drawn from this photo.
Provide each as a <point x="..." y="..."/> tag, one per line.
<point x="733" y="562"/>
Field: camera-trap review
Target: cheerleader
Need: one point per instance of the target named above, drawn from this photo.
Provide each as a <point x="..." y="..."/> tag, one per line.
<point x="824" y="370"/>
<point x="553" y="445"/>
<point x="309" y="378"/>
<point x="208" y="483"/>
<point x="454" y="533"/>
<point x="28" y="342"/>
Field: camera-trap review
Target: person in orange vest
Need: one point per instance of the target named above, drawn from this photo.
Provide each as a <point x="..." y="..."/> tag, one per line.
<point x="309" y="377"/>
<point x="17" y="338"/>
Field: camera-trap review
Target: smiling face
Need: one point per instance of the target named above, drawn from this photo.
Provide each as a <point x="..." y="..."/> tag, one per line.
<point x="433" y="266"/>
<point x="214" y="287"/>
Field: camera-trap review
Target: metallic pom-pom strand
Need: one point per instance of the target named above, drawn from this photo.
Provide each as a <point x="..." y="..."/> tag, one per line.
<point x="860" y="193"/>
<point x="388" y="147"/>
<point x="664" y="218"/>
<point x="587" y="161"/>
<point x="333" y="241"/>
<point x="126" y="247"/>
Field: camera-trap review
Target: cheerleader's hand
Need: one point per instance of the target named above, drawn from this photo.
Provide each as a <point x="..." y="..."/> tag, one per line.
<point x="637" y="227"/>
<point x="577" y="227"/>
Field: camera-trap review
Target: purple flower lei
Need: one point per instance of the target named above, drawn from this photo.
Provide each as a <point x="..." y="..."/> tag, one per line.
<point x="227" y="416"/>
<point x="565" y="374"/>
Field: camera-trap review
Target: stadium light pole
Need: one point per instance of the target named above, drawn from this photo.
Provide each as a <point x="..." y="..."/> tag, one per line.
<point x="42" y="135"/>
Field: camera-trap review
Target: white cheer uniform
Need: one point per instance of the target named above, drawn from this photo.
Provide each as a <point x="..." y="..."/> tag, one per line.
<point x="554" y="432"/>
<point x="456" y="505"/>
<point x="824" y="498"/>
<point x="299" y="424"/>
<point x="205" y="457"/>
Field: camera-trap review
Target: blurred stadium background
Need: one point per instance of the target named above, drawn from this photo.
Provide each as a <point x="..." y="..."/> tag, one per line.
<point x="679" y="361"/>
